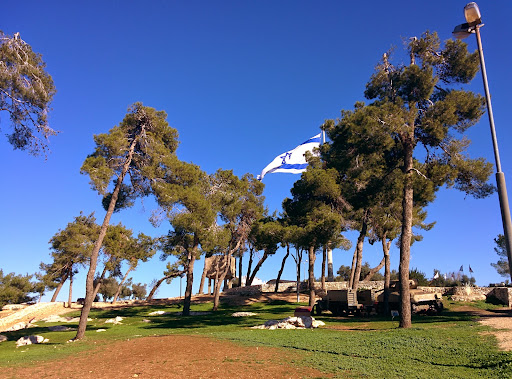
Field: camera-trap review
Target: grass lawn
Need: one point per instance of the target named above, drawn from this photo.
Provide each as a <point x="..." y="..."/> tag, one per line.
<point x="450" y="345"/>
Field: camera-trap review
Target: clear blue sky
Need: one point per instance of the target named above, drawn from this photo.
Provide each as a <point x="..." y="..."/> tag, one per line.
<point x="241" y="81"/>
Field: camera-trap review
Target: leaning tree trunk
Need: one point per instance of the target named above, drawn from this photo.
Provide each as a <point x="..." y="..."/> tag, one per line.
<point x="59" y="287"/>
<point x="100" y="280"/>
<point x="282" y="267"/>
<point x="353" y="268"/>
<point x="312" y="294"/>
<point x="190" y="280"/>
<point x="157" y="284"/>
<point x="359" y="250"/>
<point x="257" y="268"/>
<point x="120" y="287"/>
<point x="406" y="236"/>
<point x="249" y="264"/>
<point x="203" y="278"/>
<point x="89" y="284"/>
<point x="70" y="294"/>
<point x="374" y="270"/>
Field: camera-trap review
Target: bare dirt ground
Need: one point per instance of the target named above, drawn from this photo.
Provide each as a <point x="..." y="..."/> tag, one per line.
<point x="500" y="320"/>
<point x="171" y="357"/>
<point x="182" y="356"/>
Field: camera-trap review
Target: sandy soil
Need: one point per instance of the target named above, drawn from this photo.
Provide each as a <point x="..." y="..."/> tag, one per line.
<point x="500" y="320"/>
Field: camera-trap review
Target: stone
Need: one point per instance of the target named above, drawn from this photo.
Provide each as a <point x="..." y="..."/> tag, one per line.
<point x="30" y="340"/>
<point x="3" y="338"/>
<point x="302" y="322"/>
<point x="114" y="321"/>
<point x="157" y="313"/>
<point x="243" y="314"/>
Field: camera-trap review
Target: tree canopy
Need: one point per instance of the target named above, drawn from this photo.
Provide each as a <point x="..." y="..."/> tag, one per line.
<point x="26" y="91"/>
<point x="415" y="105"/>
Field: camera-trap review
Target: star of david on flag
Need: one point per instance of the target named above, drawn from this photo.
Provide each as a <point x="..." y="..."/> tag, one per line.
<point x="293" y="161"/>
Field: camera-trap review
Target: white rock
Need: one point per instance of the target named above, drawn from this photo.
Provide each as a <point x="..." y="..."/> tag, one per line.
<point x="29" y="340"/>
<point x="114" y="321"/>
<point x="243" y="314"/>
<point x="101" y="330"/>
<point x="157" y="313"/>
<point x="302" y="322"/>
<point x="3" y="338"/>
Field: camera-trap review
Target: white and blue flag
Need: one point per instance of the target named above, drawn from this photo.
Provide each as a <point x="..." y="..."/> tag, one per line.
<point x="293" y="161"/>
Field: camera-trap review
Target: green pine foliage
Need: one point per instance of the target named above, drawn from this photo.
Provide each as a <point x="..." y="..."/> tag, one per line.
<point x="26" y="92"/>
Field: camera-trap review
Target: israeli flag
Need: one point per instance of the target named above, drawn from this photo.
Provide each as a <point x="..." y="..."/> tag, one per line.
<point x="293" y="161"/>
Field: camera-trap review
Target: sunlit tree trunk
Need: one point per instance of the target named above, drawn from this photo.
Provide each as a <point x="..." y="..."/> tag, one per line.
<point x="282" y="267"/>
<point x="312" y="294"/>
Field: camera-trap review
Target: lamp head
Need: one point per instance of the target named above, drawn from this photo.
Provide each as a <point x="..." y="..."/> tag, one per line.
<point x="472" y="14"/>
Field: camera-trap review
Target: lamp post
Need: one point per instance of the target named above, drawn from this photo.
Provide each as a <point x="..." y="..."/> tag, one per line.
<point x="473" y="25"/>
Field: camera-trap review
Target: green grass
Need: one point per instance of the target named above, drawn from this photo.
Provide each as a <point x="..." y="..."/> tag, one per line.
<point x="450" y="345"/>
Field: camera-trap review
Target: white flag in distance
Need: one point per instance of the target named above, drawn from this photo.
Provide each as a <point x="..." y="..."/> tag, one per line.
<point x="293" y="161"/>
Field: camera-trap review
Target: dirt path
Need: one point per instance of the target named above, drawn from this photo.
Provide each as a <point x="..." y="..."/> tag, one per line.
<point x="174" y="356"/>
<point x="500" y="320"/>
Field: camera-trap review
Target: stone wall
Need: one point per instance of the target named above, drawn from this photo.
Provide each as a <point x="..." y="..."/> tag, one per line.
<point x="503" y="294"/>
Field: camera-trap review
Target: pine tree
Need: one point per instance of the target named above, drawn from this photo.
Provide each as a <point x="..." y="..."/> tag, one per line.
<point x="134" y="149"/>
<point x="418" y="106"/>
<point x="26" y="91"/>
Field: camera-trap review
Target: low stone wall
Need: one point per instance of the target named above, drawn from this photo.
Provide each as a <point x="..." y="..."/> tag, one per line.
<point x="503" y="294"/>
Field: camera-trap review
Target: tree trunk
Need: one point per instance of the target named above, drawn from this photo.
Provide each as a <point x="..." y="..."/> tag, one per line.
<point x="406" y="236"/>
<point x="330" y="271"/>
<point x="359" y="250"/>
<point x="190" y="278"/>
<point x="220" y="279"/>
<point x="282" y="267"/>
<point x="89" y="283"/>
<point x="387" y="273"/>
<point x="203" y="277"/>
<point x="312" y="295"/>
<point x="374" y="270"/>
<point x="59" y="286"/>
<point x="324" y="261"/>
<point x="155" y="287"/>
<point x="121" y="284"/>
<point x="353" y="268"/>
<point x="249" y="265"/>
<point x="100" y="280"/>
<point x="298" y="261"/>
<point x="257" y="268"/>
<point x="70" y="294"/>
<point x="240" y="266"/>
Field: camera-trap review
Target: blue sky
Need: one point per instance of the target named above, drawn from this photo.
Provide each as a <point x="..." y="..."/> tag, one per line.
<point x="241" y="81"/>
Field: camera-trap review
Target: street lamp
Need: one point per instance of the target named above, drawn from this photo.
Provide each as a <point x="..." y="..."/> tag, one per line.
<point x="473" y="25"/>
